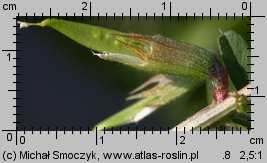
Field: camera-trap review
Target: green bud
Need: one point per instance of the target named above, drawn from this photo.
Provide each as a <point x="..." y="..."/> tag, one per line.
<point x="166" y="56"/>
<point x="150" y="53"/>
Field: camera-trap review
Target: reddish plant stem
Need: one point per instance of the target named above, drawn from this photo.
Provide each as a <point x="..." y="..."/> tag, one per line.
<point x="219" y="81"/>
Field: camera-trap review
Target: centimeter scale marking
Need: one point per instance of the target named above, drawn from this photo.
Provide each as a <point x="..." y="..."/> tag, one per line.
<point x="136" y="131"/>
<point x="74" y="17"/>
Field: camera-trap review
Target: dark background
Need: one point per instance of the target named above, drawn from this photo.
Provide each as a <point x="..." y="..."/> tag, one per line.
<point x="63" y="85"/>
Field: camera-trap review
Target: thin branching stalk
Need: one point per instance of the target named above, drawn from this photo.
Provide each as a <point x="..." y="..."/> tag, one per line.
<point x="211" y="113"/>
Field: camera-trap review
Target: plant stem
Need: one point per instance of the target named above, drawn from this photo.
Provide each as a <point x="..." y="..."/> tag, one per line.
<point x="211" y="113"/>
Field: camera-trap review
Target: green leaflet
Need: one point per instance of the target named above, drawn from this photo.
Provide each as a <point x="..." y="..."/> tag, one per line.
<point x="167" y="90"/>
<point x="233" y="49"/>
<point x="127" y="115"/>
<point x="155" y="54"/>
<point x="95" y="38"/>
